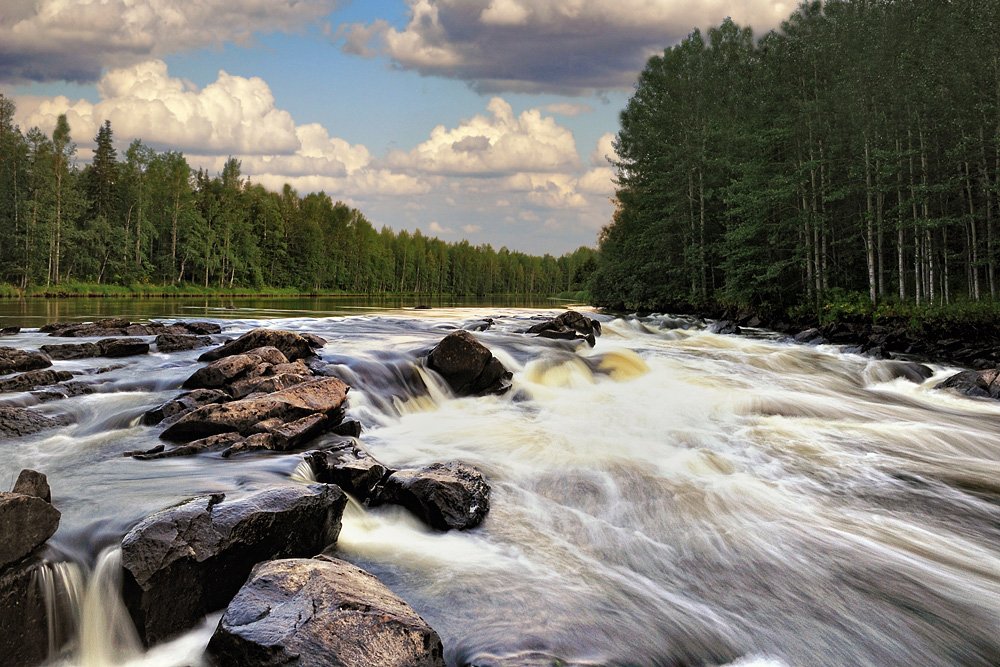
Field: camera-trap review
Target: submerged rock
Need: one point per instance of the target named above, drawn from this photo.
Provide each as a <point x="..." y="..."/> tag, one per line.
<point x="319" y="612"/>
<point x="191" y="559"/>
<point x="444" y="495"/>
<point x="13" y="360"/>
<point x="468" y="366"/>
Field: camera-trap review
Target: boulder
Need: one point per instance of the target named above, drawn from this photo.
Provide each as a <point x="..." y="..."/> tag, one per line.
<point x="201" y="328"/>
<point x="351" y="468"/>
<point x="33" y="483"/>
<point x="183" y="404"/>
<point x="570" y="325"/>
<point x="979" y="384"/>
<point x="13" y="360"/>
<point x="63" y="390"/>
<point x="322" y="395"/>
<point x="264" y="383"/>
<point x="24" y="626"/>
<point x="910" y="370"/>
<point x="16" y="422"/>
<point x="222" y="372"/>
<point x="28" y="521"/>
<point x="319" y="612"/>
<point x="71" y="350"/>
<point x="121" y="347"/>
<point x="809" y="337"/>
<point x="444" y="495"/>
<point x="29" y="380"/>
<point x="725" y="328"/>
<point x="178" y="342"/>
<point x="468" y="366"/>
<point x="191" y="559"/>
<point x="10" y="331"/>
<point x="292" y="345"/>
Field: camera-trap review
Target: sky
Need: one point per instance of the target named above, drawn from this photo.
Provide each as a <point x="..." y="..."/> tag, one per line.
<point x="486" y="120"/>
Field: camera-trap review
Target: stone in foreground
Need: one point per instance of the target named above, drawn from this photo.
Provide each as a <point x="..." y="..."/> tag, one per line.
<point x="191" y="559"/>
<point x="444" y="495"/>
<point x="321" y="612"/>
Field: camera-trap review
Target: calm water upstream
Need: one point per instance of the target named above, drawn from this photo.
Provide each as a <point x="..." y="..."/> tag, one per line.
<point x="669" y="497"/>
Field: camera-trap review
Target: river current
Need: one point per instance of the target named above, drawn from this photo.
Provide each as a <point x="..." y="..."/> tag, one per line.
<point x="668" y="497"/>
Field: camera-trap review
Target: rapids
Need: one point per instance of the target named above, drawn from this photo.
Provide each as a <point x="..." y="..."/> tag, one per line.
<point x="669" y="497"/>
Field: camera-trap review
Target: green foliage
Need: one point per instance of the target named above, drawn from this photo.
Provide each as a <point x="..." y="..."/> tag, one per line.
<point x="852" y="152"/>
<point x="147" y="225"/>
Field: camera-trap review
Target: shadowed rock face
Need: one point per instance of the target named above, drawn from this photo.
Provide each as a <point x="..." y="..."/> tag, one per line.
<point x="186" y="561"/>
<point x="468" y="366"/>
<point x="446" y="496"/>
<point x="321" y="612"/>
<point x="980" y="384"/>
<point x="23" y="626"/>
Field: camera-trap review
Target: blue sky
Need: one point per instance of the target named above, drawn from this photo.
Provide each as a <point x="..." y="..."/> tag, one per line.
<point x="490" y="120"/>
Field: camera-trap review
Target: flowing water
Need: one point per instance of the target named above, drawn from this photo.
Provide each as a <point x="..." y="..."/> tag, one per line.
<point x="669" y="497"/>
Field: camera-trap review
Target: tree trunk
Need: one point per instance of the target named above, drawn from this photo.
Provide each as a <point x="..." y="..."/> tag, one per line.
<point x="869" y="227"/>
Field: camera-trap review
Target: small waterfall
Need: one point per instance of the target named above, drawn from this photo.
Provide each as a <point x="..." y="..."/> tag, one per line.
<point x="107" y="636"/>
<point x="304" y="473"/>
<point x="61" y="586"/>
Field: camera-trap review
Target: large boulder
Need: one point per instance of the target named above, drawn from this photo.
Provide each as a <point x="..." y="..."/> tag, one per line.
<point x="222" y="372"/>
<point x="570" y="325"/>
<point x="325" y="396"/>
<point x="24" y="627"/>
<point x="321" y="612"/>
<point x="16" y="422"/>
<point x="444" y="495"/>
<point x="292" y="345"/>
<point x="13" y="360"/>
<point x="122" y="347"/>
<point x="468" y="366"/>
<point x="30" y="379"/>
<point x="28" y="521"/>
<point x="979" y="384"/>
<point x="71" y="350"/>
<point x="191" y="559"/>
<point x="351" y="468"/>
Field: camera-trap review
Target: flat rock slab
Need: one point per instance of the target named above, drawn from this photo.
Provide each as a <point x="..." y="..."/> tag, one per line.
<point x="13" y="360"/>
<point x="444" y="495"/>
<point x="16" y="422"/>
<point x="27" y="521"/>
<point x="183" y="404"/>
<point x="191" y="559"/>
<point x="71" y="350"/>
<point x="180" y="342"/>
<point x="321" y="612"/>
<point x="122" y="347"/>
<point x="31" y="379"/>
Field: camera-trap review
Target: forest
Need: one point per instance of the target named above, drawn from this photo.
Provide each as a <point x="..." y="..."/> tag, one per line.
<point x="147" y="218"/>
<point x="854" y="153"/>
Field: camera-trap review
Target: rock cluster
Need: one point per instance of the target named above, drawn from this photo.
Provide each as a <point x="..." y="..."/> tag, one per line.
<point x="29" y="520"/>
<point x="570" y="325"/>
<point x="117" y="326"/>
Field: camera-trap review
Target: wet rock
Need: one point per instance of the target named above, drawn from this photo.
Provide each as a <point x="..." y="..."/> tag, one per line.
<point x="979" y="384"/>
<point x="222" y="372"/>
<point x="480" y="325"/>
<point x="292" y="345"/>
<point x="318" y="612"/>
<point x="13" y="360"/>
<point x="191" y="559"/>
<point x="180" y="342"/>
<point x="351" y="468"/>
<point x="809" y="337"/>
<point x="122" y="347"/>
<point x="910" y="370"/>
<point x="28" y="521"/>
<point x="24" y="629"/>
<point x="212" y="443"/>
<point x="31" y="379"/>
<point x="183" y="404"/>
<point x="201" y="328"/>
<point x="10" y="331"/>
<point x="724" y="328"/>
<point x="265" y="384"/>
<point x="71" y="350"/>
<point x="292" y="434"/>
<point x="570" y="325"/>
<point x="16" y="422"/>
<point x="323" y="395"/>
<point x="33" y="483"/>
<point x="468" y="366"/>
<point x="64" y="390"/>
<point x="444" y="495"/>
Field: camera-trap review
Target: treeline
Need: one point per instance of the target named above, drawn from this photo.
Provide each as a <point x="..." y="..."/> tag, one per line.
<point x="856" y="149"/>
<point x="148" y="218"/>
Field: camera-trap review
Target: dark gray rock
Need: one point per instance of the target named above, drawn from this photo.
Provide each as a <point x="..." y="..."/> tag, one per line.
<point x="725" y="328"/>
<point x="468" y="366"/>
<point x="322" y="395"/>
<point x="64" y="390"/>
<point x="809" y="337"/>
<point x="570" y="325"/>
<point x="183" y="404"/>
<point x="10" y="331"/>
<point x="33" y="483"/>
<point x="444" y="495"/>
<point x="292" y="345"/>
<point x="24" y="628"/>
<point x="16" y="422"/>
<point x="321" y="612"/>
<point x="28" y="521"/>
<point x="71" y="350"/>
<point x="191" y="559"/>
<point x="201" y="328"/>
<point x="978" y="384"/>
<point x="351" y="468"/>
<point x="180" y="342"/>
<point x="31" y="379"/>
<point x="122" y="347"/>
<point x="910" y="370"/>
<point x="13" y="360"/>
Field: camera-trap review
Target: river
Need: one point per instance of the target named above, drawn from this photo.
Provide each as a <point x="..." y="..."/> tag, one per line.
<point x="669" y="497"/>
